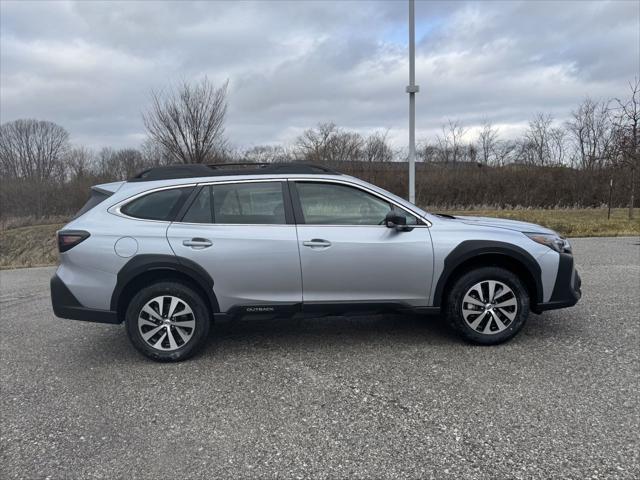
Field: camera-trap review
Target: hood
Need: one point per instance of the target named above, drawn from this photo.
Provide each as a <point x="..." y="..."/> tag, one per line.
<point x="503" y="223"/>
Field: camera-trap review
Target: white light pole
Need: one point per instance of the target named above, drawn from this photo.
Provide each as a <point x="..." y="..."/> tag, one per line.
<point x="412" y="89"/>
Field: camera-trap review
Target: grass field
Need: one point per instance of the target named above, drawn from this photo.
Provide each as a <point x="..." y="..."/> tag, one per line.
<point x="31" y="246"/>
<point x="588" y="222"/>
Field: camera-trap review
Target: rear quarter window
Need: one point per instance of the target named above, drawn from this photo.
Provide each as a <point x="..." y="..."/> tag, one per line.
<point x="96" y="197"/>
<point x="161" y="205"/>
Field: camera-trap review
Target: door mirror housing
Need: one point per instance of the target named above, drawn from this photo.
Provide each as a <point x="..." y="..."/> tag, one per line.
<point x="398" y="220"/>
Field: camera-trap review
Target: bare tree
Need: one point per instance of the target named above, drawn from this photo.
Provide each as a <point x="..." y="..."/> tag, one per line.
<point x="376" y="148"/>
<point x="154" y="154"/>
<point x="120" y="164"/>
<point x="487" y="142"/>
<point x="557" y="145"/>
<point x="345" y="147"/>
<point x="266" y="154"/>
<point x="536" y="141"/>
<point x="31" y="159"/>
<point x="450" y="144"/>
<point x="471" y="153"/>
<point x="188" y="121"/>
<point x="626" y="122"/>
<point x="105" y="163"/>
<point x="314" y="143"/>
<point x="79" y="162"/>
<point x="32" y="149"/>
<point x="504" y="152"/>
<point x="525" y="152"/>
<point x="328" y="143"/>
<point x="591" y="131"/>
<point x="127" y="163"/>
<point x="427" y="152"/>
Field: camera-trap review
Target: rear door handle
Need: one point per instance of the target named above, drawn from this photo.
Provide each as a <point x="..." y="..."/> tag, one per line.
<point x="197" y="243"/>
<point x="317" y="243"/>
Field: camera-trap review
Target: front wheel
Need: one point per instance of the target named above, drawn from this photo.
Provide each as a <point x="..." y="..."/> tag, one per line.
<point x="167" y="321"/>
<point x="488" y="305"/>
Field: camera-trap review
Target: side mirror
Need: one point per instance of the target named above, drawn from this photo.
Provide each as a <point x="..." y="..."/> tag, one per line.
<point x="396" y="219"/>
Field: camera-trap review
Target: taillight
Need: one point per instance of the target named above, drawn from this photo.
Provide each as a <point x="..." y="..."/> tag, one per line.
<point x="67" y="239"/>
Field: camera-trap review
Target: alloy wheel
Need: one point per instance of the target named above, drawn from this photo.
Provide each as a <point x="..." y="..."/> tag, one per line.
<point x="166" y="323"/>
<point x="489" y="307"/>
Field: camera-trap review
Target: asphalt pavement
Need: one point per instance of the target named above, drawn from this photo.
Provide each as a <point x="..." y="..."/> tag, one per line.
<point x="362" y="397"/>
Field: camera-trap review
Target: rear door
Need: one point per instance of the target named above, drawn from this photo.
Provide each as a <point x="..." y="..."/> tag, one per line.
<point x="348" y="255"/>
<point x="243" y="234"/>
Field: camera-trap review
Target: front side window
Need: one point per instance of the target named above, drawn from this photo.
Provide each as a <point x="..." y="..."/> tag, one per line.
<point x="334" y="204"/>
<point x="161" y="205"/>
<point x="259" y="203"/>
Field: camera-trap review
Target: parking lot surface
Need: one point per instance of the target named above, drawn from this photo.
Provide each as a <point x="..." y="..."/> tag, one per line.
<point x="363" y="397"/>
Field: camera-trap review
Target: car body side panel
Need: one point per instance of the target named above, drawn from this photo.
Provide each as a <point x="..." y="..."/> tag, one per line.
<point x="90" y="269"/>
<point x="366" y="263"/>
<point x="249" y="264"/>
<point x="448" y="234"/>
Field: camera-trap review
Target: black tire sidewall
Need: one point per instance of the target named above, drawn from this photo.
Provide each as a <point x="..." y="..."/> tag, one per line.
<point x="186" y="294"/>
<point x="465" y="282"/>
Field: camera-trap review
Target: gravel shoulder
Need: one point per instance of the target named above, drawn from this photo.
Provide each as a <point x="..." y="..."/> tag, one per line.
<point x="363" y="397"/>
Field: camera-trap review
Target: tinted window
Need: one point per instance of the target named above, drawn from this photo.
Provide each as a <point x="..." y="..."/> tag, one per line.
<point x="162" y="205"/>
<point x="250" y="203"/>
<point x="333" y="204"/>
<point x="238" y="203"/>
<point x="201" y="210"/>
<point x="97" y="197"/>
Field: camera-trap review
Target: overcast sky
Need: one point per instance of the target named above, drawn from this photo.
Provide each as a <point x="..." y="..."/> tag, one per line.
<point x="89" y="66"/>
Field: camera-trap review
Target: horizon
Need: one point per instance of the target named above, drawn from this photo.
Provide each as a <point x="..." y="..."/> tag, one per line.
<point x="91" y="68"/>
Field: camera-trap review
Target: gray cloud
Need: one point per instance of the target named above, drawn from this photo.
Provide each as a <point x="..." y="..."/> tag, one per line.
<point x="90" y="66"/>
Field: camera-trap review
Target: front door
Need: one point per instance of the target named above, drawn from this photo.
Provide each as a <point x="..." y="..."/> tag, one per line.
<point x="347" y="253"/>
<point x="243" y="234"/>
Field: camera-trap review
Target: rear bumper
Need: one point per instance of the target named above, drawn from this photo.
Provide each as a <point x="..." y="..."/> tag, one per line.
<point x="567" y="289"/>
<point x="66" y="305"/>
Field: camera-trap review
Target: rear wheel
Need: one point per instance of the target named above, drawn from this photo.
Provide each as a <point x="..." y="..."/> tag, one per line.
<point x="488" y="305"/>
<point x="167" y="321"/>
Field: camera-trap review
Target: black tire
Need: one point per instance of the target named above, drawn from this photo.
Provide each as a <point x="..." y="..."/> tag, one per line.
<point x="200" y="314"/>
<point x="463" y="285"/>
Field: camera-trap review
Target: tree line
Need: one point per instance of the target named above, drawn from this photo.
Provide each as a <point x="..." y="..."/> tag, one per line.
<point x="552" y="164"/>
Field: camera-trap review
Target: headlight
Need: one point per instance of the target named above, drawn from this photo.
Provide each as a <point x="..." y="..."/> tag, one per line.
<point x="554" y="242"/>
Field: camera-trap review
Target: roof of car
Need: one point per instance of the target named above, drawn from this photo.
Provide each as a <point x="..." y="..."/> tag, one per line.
<point x="229" y="169"/>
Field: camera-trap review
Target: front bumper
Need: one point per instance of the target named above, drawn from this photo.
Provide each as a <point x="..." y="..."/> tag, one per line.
<point x="567" y="289"/>
<point x="66" y="305"/>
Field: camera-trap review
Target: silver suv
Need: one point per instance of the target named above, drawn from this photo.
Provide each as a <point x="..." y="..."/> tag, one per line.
<point x="176" y="247"/>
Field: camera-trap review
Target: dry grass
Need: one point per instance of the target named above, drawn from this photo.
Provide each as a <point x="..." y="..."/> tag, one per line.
<point x="587" y="222"/>
<point x="32" y="246"/>
<point x="8" y="223"/>
<point x="35" y="245"/>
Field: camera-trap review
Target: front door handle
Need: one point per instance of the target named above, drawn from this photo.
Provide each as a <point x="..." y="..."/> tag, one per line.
<point x="198" y="243"/>
<point x="317" y="243"/>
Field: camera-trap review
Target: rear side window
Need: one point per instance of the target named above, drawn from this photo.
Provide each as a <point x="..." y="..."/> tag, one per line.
<point x="96" y="197"/>
<point x="260" y="203"/>
<point x="201" y="210"/>
<point x="161" y="205"/>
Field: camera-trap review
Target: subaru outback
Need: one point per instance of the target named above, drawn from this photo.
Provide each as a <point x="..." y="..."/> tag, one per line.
<point x="176" y="247"/>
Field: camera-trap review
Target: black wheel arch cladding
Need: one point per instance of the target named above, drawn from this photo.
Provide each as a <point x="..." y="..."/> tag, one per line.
<point x="474" y="250"/>
<point x="145" y="263"/>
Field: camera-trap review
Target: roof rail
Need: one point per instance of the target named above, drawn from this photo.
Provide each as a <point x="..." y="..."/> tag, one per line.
<point x="192" y="170"/>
